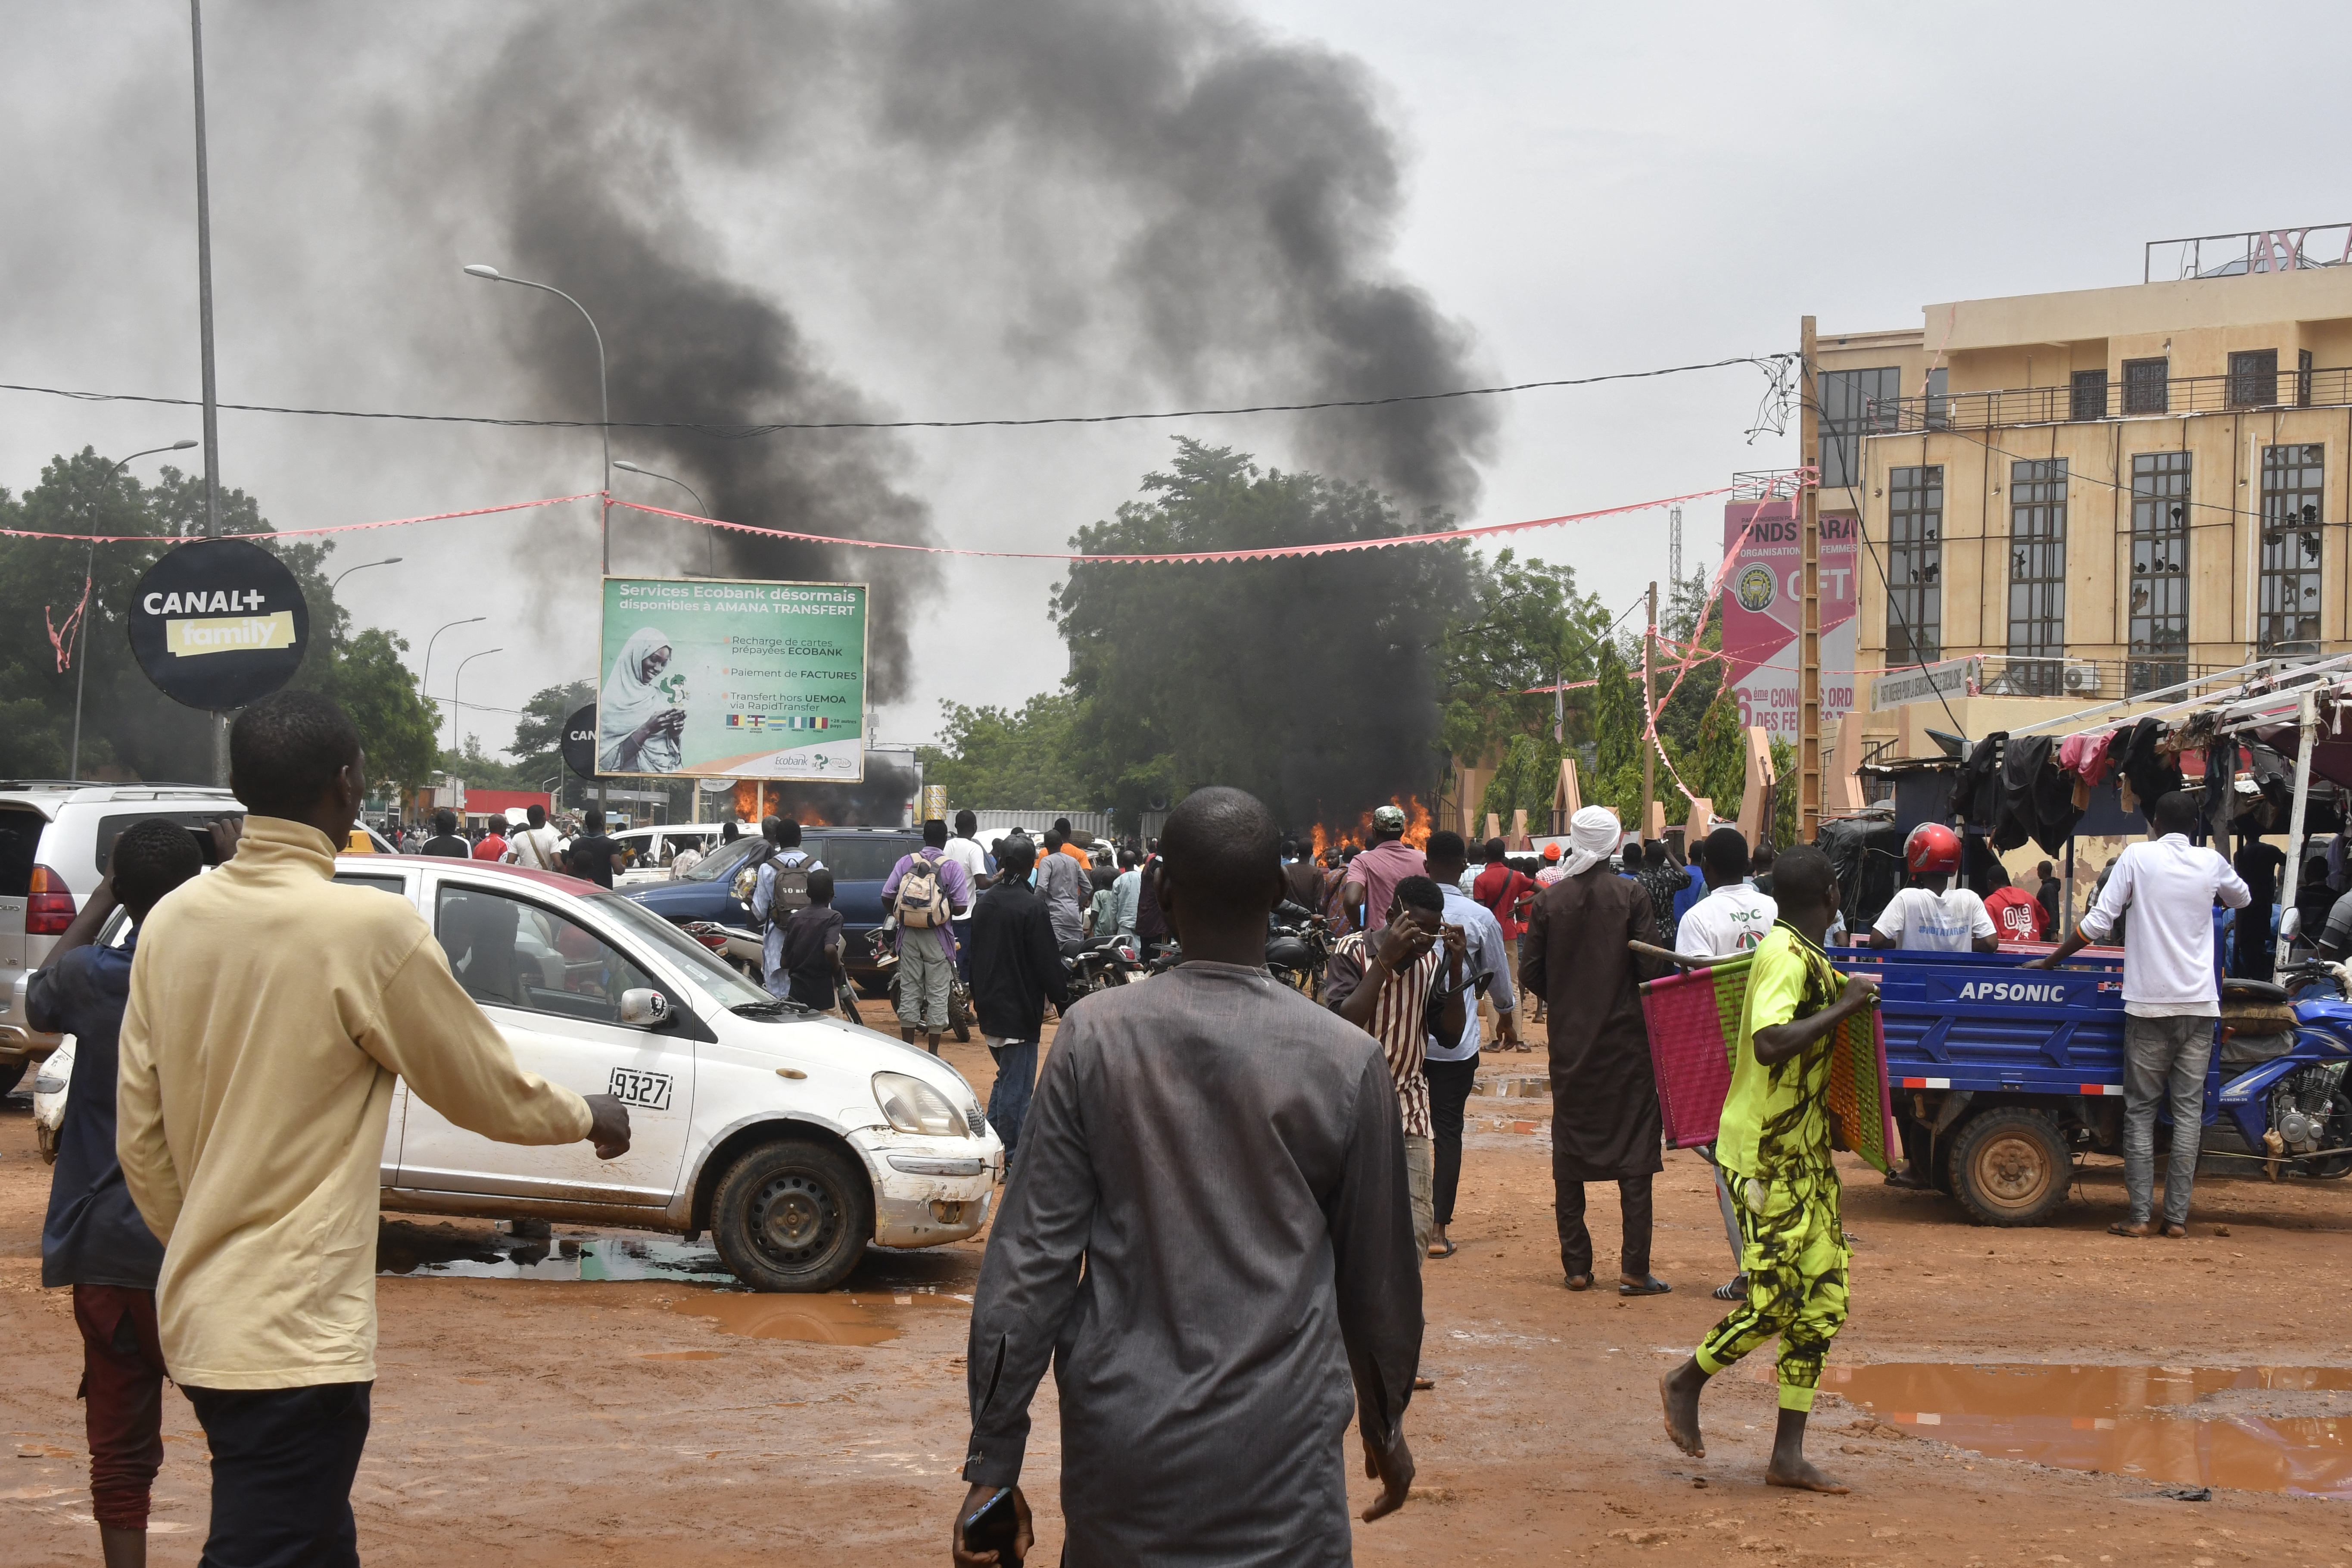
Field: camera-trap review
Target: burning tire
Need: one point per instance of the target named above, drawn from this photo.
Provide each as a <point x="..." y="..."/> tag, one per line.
<point x="792" y="1216"/>
<point x="2010" y="1167"/>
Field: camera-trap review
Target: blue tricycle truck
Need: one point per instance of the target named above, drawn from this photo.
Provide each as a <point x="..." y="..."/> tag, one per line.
<point x="2000" y="1075"/>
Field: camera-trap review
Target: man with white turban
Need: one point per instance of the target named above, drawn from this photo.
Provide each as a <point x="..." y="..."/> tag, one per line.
<point x="1604" y="1096"/>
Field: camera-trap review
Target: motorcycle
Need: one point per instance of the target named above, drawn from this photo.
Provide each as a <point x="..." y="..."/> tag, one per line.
<point x="2283" y="1094"/>
<point x="885" y="954"/>
<point x="1101" y="964"/>
<point x="1297" y="949"/>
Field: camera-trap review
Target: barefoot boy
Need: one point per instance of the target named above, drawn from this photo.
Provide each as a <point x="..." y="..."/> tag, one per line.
<point x="1774" y="1148"/>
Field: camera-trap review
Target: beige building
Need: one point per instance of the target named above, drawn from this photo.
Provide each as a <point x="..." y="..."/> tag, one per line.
<point x="2100" y="494"/>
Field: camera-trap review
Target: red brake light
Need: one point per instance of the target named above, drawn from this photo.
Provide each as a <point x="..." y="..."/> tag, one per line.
<point x="49" y="905"/>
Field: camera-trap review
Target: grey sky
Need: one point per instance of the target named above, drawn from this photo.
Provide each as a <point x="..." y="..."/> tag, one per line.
<point x="1587" y="190"/>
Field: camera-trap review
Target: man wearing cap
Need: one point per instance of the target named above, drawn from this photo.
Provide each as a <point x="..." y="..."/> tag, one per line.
<point x="1605" y="1124"/>
<point x="1372" y="878"/>
<point x="1551" y="871"/>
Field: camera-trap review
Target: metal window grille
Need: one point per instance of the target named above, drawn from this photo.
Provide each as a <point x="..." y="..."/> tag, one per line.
<point x="2147" y="386"/>
<point x="2087" y="395"/>
<point x="2292" y="476"/>
<point x="2159" y="584"/>
<point x="1847" y="416"/>
<point x="1914" y="565"/>
<point x="2253" y="378"/>
<point x="2037" y="575"/>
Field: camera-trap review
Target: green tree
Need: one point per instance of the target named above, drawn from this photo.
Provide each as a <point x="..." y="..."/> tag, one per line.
<point x="1524" y="625"/>
<point x="1001" y="759"/>
<point x="397" y="725"/>
<point x="1307" y="682"/>
<point x="537" y="746"/>
<point x="129" y="728"/>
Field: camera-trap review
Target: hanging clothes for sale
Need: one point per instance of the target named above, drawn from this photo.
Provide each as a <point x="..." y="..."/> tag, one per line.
<point x="2088" y="755"/>
<point x="2037" y="799"/>
<point x="1976" y="787"/>
<point x="2145" y="772"/>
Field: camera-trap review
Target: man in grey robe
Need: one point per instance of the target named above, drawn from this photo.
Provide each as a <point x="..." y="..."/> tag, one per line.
<point x="1209" y="1234"/>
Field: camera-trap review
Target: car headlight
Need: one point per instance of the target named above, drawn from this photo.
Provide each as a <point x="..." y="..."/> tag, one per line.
<point x="910" y="1105"/>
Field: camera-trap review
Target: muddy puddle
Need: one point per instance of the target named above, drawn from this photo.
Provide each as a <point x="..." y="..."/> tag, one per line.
<point x="2268" y="1428"/>
<point x="839" y="1319"/>
<point x="494" y="1254"/>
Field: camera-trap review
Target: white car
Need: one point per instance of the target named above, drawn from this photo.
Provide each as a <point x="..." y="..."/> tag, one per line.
<point x="793" y="1137"/>
<point x="648" y="843"/>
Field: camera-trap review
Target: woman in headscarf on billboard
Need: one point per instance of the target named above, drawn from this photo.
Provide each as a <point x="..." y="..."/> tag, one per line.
<point x="638" y="715"/>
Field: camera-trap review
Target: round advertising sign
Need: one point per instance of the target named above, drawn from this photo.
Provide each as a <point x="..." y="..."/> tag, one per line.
<point x="580" y="742"/>
<point x="218" y="623"/>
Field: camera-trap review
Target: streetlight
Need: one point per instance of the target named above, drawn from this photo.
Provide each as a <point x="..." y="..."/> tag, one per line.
<point x="387" y="560"/>
<point x="455" y="680"/>
<point x="604" y="393"/>
<point x="699" y="504"/>
<point x="424" y="682"/>
<point x="88" y="569"/>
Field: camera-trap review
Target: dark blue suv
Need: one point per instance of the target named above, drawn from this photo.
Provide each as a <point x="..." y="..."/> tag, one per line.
<point x="860" y="859"/>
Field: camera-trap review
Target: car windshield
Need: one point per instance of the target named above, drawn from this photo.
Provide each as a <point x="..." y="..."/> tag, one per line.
<point x="721" y="861"/>
<point x="708" y="970"/>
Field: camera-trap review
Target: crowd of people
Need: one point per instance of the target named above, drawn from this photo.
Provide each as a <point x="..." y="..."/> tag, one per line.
<point x="215" y="1202"/>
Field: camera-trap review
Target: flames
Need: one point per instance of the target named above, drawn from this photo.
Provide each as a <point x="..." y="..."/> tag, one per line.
<point x="1416" y="828"/>
<point x="748" y="807"/>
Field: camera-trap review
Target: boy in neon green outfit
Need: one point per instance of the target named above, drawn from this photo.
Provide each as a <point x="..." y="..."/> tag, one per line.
<point x="1774" y="1150"/>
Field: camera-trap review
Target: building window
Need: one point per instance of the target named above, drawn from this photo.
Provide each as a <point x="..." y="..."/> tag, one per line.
<point x="2159" y="585"/>
<point x="2037" y="576"/>
<point x="1914" y="565"/>
<point x="2253" y="378"/>
<point x="1939" y="399"/>
<point x="1847" y="396"/>
<point x="2290" y="533"/>
<point x="2147" y="386"/>
<point x="2087" y="395"/>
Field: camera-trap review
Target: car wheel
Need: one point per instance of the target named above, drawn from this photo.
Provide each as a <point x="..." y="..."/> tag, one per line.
<point x="792" y="1216"/>
<point x="959" y="1014"/>
<point x="2010" y="1167"/>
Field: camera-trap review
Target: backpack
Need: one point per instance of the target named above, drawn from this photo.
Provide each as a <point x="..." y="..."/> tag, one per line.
<point x="922" y="900"/>
<point x="790" y="883"/>
<point x="747" y="876"/>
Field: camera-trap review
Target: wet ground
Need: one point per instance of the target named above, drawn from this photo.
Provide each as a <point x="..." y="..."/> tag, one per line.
<point x="2039" y="1396"/>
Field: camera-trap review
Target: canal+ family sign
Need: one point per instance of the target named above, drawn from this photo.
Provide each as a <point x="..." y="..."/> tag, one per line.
<point x="218" y="623"/>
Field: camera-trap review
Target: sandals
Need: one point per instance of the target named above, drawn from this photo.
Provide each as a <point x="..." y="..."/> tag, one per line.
<point x="1651" y="1285"/>
<point x="2125" y="1228"/>
<point x="1737" y="1290"/>
<point x="1445" y="1251"/>
<point x="1579" y="1281"/>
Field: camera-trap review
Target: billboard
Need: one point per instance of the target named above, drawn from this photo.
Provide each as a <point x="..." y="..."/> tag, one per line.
<point x="753" y="681"/>
<point x="1763" y="593"/>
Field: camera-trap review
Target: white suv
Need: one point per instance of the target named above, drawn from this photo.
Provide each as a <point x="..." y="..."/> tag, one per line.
<point x="55" y="841"/>
<point x="793" y="1137"/>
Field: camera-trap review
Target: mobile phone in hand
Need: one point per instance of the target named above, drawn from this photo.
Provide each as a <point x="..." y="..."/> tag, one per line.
<point x="994" y="1527"/>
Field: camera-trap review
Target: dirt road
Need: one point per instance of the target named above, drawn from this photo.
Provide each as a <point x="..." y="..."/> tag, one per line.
<point x="527" y="1420"/>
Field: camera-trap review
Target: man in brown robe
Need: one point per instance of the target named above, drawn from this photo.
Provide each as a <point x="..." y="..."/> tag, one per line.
<point x="1604" y="1096"/>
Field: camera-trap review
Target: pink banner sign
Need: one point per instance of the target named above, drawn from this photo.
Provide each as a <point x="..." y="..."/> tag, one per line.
<point x="1763" y="593"/>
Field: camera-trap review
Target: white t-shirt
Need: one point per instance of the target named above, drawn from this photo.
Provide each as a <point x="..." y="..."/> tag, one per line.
<point x="1924" y="921"/>
<point x="969" y="855"/>
<point x="534" y="847"/>
<point x="1728" y="921"/>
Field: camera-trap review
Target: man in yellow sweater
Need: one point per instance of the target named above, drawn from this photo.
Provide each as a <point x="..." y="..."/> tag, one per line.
<point x="270" y="1010"/>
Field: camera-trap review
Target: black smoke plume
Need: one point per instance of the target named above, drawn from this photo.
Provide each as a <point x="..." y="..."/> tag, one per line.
<point x="1178" y="194"/>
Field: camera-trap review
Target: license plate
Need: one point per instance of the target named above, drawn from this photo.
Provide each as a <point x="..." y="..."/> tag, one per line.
<point x="646" y="1090"/>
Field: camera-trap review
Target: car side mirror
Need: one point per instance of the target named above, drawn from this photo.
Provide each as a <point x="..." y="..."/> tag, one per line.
<point x="2291" y="925"/>
<point x="643" y="1008"/>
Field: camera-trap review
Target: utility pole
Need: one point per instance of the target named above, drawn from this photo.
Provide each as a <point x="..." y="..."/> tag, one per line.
<point x="1809" y="624"/>
<point x="1674" y="549"/>
<point x="1649" y="719"/>
<point x="204" y="337"/>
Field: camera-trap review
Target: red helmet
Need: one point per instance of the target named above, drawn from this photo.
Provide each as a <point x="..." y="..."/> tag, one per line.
<point x="1931" y="848"/>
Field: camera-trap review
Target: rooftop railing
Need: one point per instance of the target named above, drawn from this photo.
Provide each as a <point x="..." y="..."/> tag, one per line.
<point x="2085" y="400"/>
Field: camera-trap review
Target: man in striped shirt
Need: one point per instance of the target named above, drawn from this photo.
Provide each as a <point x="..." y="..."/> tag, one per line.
<point x="1399" y="981"/>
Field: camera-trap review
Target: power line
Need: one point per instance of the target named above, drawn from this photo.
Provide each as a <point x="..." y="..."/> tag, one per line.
<point x="1766" y="363"/>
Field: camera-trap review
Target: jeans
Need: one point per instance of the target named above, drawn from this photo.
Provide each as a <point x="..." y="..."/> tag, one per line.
<point x="1016" y="1081"/>
<point x="1419" y="1161"/>
<point x="2163" y="1059"/>
<point x="924" y="973"/>
<point x="123" y="1380"/>
<point x="1449" y="1091"/>
<point x="283" y="1460"/>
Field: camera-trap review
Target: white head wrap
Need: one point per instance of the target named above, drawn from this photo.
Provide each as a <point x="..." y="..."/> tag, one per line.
<point x="1593" y="836"/>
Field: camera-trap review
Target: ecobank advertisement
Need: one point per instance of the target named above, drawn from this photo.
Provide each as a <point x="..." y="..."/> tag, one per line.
<point x="755" y="680"/>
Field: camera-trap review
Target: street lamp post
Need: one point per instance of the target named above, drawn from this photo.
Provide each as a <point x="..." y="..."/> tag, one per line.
<point x="82" y="629"/>
<point x="455" y="681"/>
<point x="424" y="682"/>
<point x="700" y="505"/>
<point x="603" y="392"/>
<point x="387" y="560"/>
